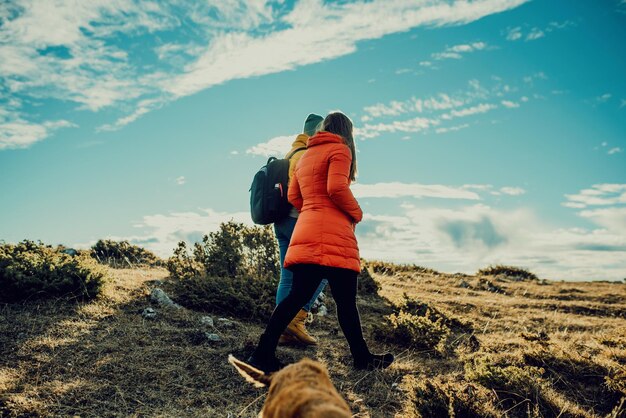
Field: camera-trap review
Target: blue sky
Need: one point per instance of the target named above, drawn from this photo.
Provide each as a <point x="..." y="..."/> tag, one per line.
<point x="488" y="131"/>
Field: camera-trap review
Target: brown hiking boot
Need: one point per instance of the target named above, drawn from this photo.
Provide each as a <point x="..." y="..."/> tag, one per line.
<point x="298" y="330"/>
<point x="288" y="339"/>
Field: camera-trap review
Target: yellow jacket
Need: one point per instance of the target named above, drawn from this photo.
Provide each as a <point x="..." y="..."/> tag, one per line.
<point x="300" y="142"/>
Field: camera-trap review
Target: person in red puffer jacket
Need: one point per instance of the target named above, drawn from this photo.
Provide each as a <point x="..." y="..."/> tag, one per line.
<point x="323" y="244"/>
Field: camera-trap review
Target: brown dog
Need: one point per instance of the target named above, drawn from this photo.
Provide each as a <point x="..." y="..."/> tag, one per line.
<point x="302" y="389"/>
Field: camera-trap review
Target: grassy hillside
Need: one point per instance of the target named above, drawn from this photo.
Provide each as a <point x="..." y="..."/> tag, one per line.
<point x="514" y="348"/>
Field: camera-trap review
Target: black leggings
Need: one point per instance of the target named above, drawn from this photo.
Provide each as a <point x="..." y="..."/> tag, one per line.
<point x="306" y="279"/>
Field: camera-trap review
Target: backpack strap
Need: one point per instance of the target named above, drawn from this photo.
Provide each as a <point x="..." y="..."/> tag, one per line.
<point x="291" y="154"/>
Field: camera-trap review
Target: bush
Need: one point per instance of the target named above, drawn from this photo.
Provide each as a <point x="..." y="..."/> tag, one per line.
<point x="32" y="270"/>
<point x="418" y="325"/>
<point x="389" y="269"/>
<point x="515" y="385"/>
<point x="511" y="272"/>
<point x="366" y="285"/>
<point x="434" y="398"/>
<point x="589" y="383"/>
<point x="233" y="271"/>
<point x="122" y="254"/>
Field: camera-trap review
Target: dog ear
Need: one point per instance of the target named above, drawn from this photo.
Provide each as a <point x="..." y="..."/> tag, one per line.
<point x="253" y="375"/>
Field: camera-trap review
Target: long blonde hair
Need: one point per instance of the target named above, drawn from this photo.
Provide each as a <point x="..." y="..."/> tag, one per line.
<point x="339" y="124"/>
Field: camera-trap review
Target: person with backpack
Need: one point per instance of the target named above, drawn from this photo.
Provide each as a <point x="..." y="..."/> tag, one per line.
<point x="323" y="244"/>
<point x="296" y="332"/>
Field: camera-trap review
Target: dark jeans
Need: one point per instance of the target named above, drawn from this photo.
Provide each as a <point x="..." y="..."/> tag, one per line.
<point x="306" y="279"/>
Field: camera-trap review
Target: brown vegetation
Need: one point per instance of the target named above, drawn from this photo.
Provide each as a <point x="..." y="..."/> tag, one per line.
<point x="541" y="349"/>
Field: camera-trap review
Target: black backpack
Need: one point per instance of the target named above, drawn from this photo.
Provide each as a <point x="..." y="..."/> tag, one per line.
<point x="268" y="192"/>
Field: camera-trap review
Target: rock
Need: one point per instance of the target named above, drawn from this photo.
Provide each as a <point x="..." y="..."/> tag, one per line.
<point x="149" y="313"/>
<point x="319" y="305"/>
<point x="463" y="284"/>
<point x="227" y="323"/>
<point x="212" y="337"/>
<point x="159" y="297"/>
<point x="206" y="320"/>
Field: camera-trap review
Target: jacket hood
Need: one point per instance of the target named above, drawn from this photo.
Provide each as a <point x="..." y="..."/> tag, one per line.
<point x="300" y="141"/>
<point x="324" y="138"/>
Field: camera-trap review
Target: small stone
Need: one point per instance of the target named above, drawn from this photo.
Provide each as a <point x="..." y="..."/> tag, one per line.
<point x="160" y="297"/>
<point x="225" y="322"/>
<point x="322" y="310"/>
<point x="212" y="337"/>
<point x="149" y="313"/>
<point x="463" y="284"/>
<point x="206" y="320"/>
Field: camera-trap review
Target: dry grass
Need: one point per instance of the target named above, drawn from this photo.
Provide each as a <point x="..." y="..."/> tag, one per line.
<point x="551" y="349"/>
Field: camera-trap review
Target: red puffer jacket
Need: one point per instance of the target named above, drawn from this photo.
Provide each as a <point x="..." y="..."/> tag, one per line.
<point x="320" y="190"/>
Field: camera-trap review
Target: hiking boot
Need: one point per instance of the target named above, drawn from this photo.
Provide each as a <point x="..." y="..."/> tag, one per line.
<point x="297" y="329"/>
<point x="266" y="365"/>
<point x="374" y="362"/>
<point x="288" y="339"/>
<point x="264" y="357"/>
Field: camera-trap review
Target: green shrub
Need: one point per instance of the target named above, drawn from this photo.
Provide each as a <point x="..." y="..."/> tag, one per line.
<point x="233" y="271"/>
<point x="420" y="326"/>
<point x="183" y="266"/>
<point x="122" y="254"/>
<point x="455" y="400"/>
<point x="235" y="250"/>
<point x="30" y="270"/>
<point x="591" y="384"/>
<point x="520" y="387"/>
<point x="366" y="284"/>
<point x="419" y="332"/>
<point x="512" y="272"/>
<point x="241" y="297"/>
<point x="389" y="269"/>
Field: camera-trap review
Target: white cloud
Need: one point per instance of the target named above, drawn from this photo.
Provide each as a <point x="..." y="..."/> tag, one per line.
<point x="613" y="218"/>
<point x="457" y="51"/>
<point x="451" y="128"/>
<point x="514" y="34"/>
<point x="436" y="110"/>
<point x="473" y="110"/>
<point x="512" y="191"/>
<point x="81" y="52"/>
<point x="181" y="180"/>
<point x="16" y="132"/>
<point x="530" y="79"/>
<point x="470" y="237"/>
<point x="417" y="124"/>
<point x="394" y="108"/>
<point x="535" y="34"/>
<point x="509" y="104"/>
<point x="598" y="195"/>
<point x="161" y="233"/>
<point x="603" y="98"/>
<point x="240" y="55"/>
<point x="277" y="146"/>
<point x="397" y="189"/>
<point x="614" y="150"/>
